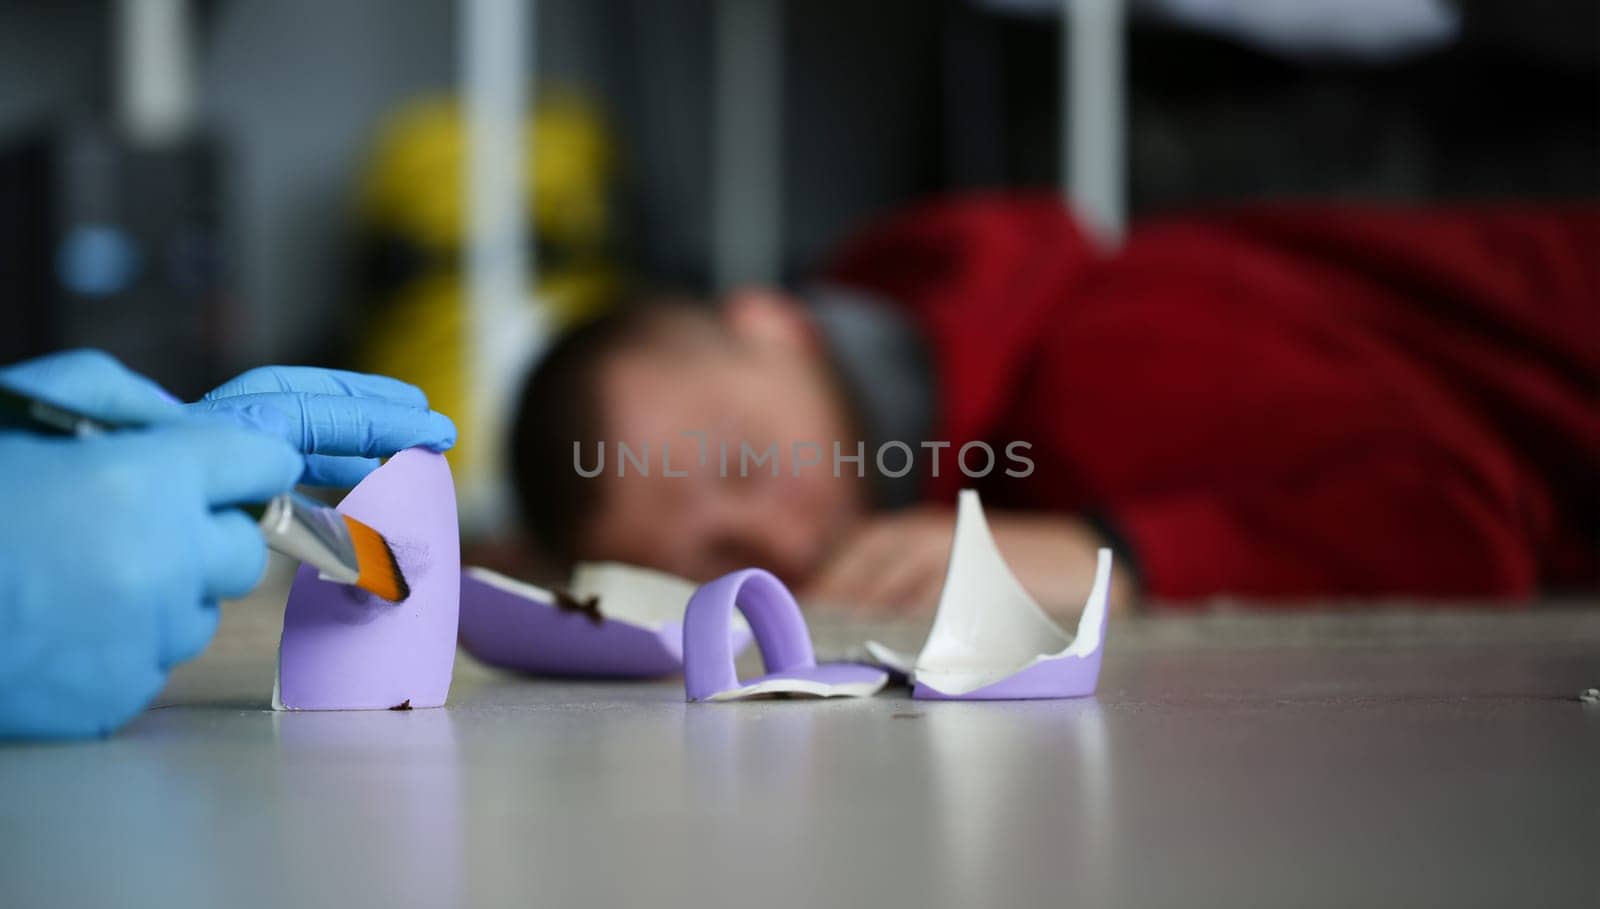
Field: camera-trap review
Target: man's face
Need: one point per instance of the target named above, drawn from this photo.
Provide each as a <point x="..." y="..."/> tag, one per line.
<point x="740" y="398"/>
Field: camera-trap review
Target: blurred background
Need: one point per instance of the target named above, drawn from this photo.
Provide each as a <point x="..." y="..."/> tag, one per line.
<point x="207" y="185"/>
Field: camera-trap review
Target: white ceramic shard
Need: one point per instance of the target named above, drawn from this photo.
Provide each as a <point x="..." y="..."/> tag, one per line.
<point x="897" y="662"/>
<point x="640" y="596"/>
<point x="830" y="680"/>
<point x="990" y="640"/>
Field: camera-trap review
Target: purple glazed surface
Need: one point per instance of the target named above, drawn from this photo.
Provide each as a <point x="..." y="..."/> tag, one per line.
<point x="515" y="632"/>
<point x="1063" y="677"/>
<point x="345" y="649"/>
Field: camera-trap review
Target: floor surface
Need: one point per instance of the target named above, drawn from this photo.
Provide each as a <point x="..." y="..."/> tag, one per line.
<point x="1396" y="758"/>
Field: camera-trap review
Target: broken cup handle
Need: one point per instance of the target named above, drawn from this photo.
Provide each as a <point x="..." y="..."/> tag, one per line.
<point x="774" y="618"/>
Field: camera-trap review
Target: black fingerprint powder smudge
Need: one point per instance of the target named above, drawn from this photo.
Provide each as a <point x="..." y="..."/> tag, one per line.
<point x="358" y="607"/>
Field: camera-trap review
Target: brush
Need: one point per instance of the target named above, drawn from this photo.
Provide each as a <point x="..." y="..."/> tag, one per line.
<point x="341" y="548"/>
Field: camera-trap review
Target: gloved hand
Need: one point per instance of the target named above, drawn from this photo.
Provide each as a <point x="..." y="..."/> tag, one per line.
<point x="342" y="421"/>
<point x="116" y="548"/>
<point x="95" y="384"/>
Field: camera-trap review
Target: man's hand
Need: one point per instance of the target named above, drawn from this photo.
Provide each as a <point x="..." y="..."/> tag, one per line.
<point x="896" y="564"/>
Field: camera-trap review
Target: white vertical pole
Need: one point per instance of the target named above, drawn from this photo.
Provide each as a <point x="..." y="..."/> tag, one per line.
<point x="154" y="90"/>
<point x="1094" y="91"/>
<point x="496" y="47"/>
<point x="747" y="143"/>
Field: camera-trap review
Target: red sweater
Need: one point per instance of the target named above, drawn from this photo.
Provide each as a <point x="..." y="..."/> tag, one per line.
<point x="1277" y="401"/>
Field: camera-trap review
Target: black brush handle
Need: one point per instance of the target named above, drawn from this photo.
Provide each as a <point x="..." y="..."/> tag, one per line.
<point x="20" y="411"/>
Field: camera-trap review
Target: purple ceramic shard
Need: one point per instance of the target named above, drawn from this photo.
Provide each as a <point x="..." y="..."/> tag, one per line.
<point x="1050" y="677"/>
<point x="991" y="641"/>
<point x="344" y="648"/>
<point x="517" y="626"/>
<point x="781" y="635"/>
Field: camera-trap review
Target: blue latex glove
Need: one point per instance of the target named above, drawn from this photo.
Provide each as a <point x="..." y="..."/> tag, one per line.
<point x="116" y="548"/>
<point x="342" y="421"/>
<point x="95" y="384"/>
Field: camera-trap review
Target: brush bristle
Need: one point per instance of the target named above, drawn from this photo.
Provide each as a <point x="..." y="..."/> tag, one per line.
<point x="379" y="572"/>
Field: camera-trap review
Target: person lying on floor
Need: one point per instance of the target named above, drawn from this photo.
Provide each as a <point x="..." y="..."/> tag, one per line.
<point x="1276" y="402"/>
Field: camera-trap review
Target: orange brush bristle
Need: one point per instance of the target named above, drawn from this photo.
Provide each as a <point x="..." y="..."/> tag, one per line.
<point x="379" y="572"/>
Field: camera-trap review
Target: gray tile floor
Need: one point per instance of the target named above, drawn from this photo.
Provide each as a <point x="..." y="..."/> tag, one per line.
<point x="1229" y="760"/>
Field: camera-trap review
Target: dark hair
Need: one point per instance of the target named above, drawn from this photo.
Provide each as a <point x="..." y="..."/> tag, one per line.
<point x="560" y="405"/>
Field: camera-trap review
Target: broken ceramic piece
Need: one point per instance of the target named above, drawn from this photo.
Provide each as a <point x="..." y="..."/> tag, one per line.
<point x="619" y="621"/>
<point x="781" y="635"/>
<point x="344" y="648"/>
<point x="899" y="663"/>
<point x="990" y="639"/>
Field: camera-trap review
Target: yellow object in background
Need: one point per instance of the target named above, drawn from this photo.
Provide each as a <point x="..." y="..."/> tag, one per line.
<point x="413" y="220"/>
